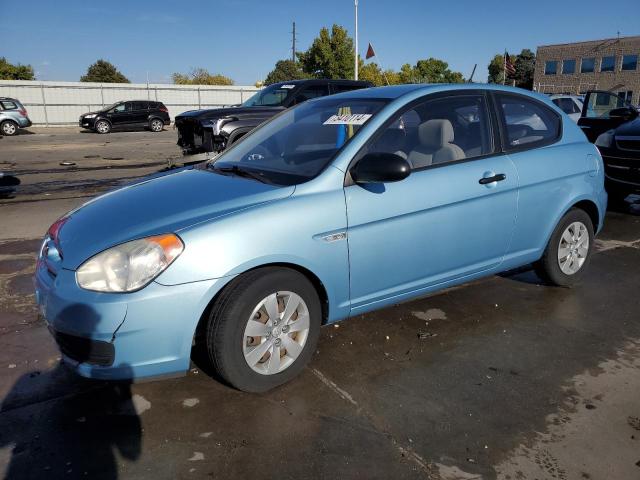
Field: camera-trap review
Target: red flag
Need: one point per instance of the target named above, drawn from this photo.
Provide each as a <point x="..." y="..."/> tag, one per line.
<point x="508" y="66"/>
<point x="370" y="52"/>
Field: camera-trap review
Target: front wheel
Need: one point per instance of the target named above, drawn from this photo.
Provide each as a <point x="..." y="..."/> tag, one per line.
<point x="156" y="125"/>
<point x="569" y="250"/>
<point x="263" y="329"/>
<point x="102" y="126"/>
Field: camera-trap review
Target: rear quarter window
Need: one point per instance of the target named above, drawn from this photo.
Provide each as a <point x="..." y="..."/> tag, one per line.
<point x="527" y="123"/>
<point x="9" y="105"/>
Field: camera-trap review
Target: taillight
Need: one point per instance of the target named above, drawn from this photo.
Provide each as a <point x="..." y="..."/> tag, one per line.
<point x="54" y="230"/>
<point x="22" y="111"/>
<point x="164" y="109"/>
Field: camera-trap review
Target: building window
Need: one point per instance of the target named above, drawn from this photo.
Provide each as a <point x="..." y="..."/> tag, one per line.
<point x="608" y="64"/>
<point x="588" y="65"/>
<point x="629" y="62"/>
<point x="568" y="67"/>
<point x="551" y="67"/>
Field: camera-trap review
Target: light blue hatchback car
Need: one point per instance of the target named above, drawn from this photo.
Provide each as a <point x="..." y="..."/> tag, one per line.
<point x="337" y="207"/>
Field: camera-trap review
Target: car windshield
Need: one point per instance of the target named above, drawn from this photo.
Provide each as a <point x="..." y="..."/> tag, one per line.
<point x="109" y="107"/>
<point x="297" y="144"/>
<point x="272" y="96"/>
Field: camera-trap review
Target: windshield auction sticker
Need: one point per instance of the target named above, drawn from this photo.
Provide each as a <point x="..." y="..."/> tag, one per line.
<point x="355" y="119"/>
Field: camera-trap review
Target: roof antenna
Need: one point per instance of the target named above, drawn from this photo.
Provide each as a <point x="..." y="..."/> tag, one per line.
<point x="472" y="72"/>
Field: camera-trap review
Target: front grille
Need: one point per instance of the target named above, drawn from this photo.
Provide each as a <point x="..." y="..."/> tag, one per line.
<point x="628" y="143"/>
<point x="85" y="350"/>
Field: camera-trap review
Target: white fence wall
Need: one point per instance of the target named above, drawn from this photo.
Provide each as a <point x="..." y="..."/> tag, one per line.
<point x="61" y="103"/>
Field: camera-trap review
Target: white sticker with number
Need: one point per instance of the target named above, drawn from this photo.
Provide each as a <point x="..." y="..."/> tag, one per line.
<point x="354" y="119"/>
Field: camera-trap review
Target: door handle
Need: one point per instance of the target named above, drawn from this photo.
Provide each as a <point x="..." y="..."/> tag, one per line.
<point x="496" y="178"/>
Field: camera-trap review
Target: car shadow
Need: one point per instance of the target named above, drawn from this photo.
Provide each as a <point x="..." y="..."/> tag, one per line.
<point x="59" y="425"/>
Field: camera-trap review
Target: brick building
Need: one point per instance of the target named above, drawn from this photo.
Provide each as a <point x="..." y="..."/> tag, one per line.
<point x="610" y="64"/>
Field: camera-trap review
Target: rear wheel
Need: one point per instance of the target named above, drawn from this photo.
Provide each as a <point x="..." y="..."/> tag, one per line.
<point x="263" y="329"/>
<point x="156" y="125"/>
<point x="102" y="126"/>
<point x="569" y="250"/>
<point x="9" y="128"/>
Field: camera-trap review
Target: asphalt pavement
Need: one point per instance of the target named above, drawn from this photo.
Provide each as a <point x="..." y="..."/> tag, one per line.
<point x="502" y="378"/>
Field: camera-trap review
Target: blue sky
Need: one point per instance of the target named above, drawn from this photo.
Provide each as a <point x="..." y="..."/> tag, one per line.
<point x="244" y="38"/>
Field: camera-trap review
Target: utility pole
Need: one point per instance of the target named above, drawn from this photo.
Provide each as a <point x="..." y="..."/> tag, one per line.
<point x="293" y="43"/>
<point x="356" y="43"/>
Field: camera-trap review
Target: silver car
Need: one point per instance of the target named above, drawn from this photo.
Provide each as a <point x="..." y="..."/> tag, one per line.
<point x="13" y="116"/>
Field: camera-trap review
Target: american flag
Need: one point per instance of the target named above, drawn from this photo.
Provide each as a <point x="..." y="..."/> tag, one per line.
<point x="508" y="66"/>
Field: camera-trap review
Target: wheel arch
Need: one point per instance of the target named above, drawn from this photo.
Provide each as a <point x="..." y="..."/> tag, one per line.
<point x="311" y="276"/>
<point x="591" y="209"/>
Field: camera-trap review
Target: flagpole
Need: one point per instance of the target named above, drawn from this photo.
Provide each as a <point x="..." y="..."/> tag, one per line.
<point x="356" y="43"/>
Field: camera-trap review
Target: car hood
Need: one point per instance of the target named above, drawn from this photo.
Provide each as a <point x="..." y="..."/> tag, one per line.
<point x="228" y="112"/>
<point x="630" y="128"/>
<point x="160" y="205"/>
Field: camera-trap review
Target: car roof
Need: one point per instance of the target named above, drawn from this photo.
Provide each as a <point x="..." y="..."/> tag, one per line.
<point x="393" y="92"/>
<point x="322" y="80"/>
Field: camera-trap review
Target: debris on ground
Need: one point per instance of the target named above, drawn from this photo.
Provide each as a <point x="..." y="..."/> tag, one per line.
<point x="67" y="164"/>
<point x="423" y="334"/>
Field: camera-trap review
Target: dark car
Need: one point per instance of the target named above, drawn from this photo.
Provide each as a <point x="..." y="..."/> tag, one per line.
<point x="129" y="114"/>
<point x="213" y="130"/>
<point x="613" y="125"/>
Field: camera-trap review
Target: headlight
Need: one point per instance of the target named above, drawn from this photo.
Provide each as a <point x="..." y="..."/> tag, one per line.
<point x="92" y="115"/>
<point x="606" y="139"/>
<point x="129" y="266"/>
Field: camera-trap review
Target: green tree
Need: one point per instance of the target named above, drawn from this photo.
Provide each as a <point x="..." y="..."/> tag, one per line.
<point x="525" y="65"/>
<point x="434" y="70"/>
<point x="372" y="72"/>
<point x="200" y="76"/>
<point x="330" y="55"/>
<point x="496" y="69"/>
<point x="283" y="71"/>
<point x="9" y="71"/>
<point x="104" y="72"/>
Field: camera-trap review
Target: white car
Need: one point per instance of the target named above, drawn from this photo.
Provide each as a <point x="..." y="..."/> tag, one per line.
<point x="569" y="104"/>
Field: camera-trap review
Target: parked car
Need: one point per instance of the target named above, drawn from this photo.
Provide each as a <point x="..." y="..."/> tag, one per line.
<point x="129" y="114"/>
<point x="214" y="130"/>
<point x="614" y="126"/>
<point x="569" y="104"/>
<point x="248" y="255"/>
<point x="13" y="116"/>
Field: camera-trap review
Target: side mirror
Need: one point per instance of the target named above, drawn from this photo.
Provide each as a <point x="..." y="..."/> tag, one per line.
<point x="626" y="113"/>
<point x="380" y="168"/>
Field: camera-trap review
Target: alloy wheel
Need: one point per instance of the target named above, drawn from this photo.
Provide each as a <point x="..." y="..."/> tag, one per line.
<point x="156" y="125"/>
<point x="102" y="127"/>
<point x="573" y="248"/>
<point x="9" y="128"/>
<point x="276" y="333"/>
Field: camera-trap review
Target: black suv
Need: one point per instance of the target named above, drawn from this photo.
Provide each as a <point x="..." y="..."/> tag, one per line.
<point x="129" y="114"/>
<point x="613" y="124"/>
<point x="214" y="130"/>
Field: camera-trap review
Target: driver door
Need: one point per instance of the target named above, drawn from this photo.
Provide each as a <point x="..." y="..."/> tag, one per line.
<point x="596" y="118"/>
<point x="120" y="114"/>
<point x="446" y="220"/>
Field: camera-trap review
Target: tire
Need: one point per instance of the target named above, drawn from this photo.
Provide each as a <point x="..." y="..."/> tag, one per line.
<point x="9" y="128"/>
<point x="237" y="357"/>
<point x="156" y="125"/>
<point x="574" y="230"/>
<point x="102" y="127"/>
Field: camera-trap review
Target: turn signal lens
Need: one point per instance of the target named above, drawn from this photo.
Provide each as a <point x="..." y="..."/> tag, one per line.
<point x="129" y="266"/>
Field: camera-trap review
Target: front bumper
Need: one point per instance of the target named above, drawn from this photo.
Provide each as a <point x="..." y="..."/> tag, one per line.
<point x="143" y="334"/>
<point x="86" y="122"/>
<point x="621" y="168"/>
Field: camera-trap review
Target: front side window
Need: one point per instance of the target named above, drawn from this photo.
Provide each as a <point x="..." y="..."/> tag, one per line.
<point x="630" y="62"/>
<point x="299" y="143"/>
<point x="438" y="131"/>
<point x="601" y="103"/>
<point x="608" y="64"/>
<point x="527" y="122"/>
<point x="588" y="65"/>
<point x="568" y="67"/>
<point x="550" y="67"/>
<point x="271" y="96"/>
<point x="119" y="108"/>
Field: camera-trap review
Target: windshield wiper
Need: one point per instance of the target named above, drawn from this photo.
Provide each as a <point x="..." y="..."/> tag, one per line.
<point x="240" y="172"/>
